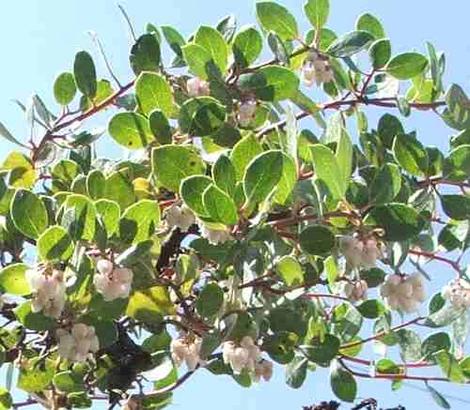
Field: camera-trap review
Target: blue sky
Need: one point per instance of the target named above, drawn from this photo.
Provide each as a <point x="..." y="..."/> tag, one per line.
<point x="39" y="40"/>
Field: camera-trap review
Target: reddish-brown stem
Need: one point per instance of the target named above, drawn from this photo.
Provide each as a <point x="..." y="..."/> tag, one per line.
<point x="433" y="256"/>
<point x="325" y="296"/>
<point x="299" y="218"/>
<point x="383" y="333"/>
<point x="370" y="362"/>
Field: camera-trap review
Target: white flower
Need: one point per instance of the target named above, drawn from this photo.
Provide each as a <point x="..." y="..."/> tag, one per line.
<point x="197" y="87"/>
<point x="360" y="253"/>
<point x="404" y="293"/>
<point x="179" y="216"/>
<point x="48" y="289"/>
<point x="112" y="282"/>
<point x="264" y="370"/>
<point x="187" y="349"/>
<point x="215" y="236"/>
<point x="317" y="69"/>
<point x="243" y="356"/>
<point x="457" y="292"/>
<point x="356" y="291"/>
<point x="78" y="344"/>
<point x="247" y="112"/>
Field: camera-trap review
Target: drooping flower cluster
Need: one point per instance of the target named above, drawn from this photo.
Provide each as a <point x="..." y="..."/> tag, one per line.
<point x="179" y="216"/>
<point x="48" y="289"/>
<point x="317" y="69"/>
<point x="111" y="281"/>
<point x="247" y="112"/>
<point x="355" y="291"/>
<point x="187" y="349"/>
<point x="215" y="236"/>
<point x="404" y="293"/>
<point x="246" y="355"/>
<point x="361" y="252"/>
<point x="197" y="87"/>
<point x="457" y="292"/>
<point x="77" y="344"/>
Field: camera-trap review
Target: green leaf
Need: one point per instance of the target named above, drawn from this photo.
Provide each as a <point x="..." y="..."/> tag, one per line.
<point x="174" y="38"/>
<point x="224" y="175"/>
<point x="387" y="366"/>
<point x="410" y="345"/>
<point x="444" y="316"/>
<point x="247" y="46"/>
<point x="434" y="343"/>
<point x="139" y="221"/>
<point x="274" y="17"/>
<point x="344" y="157"/>
<point x="272" y="83"/>
<point x="317" y="240"/>
<point x="130" y="130"/>
<point x="380" y="53"/>
<point x="95" y="184"/>
<point x="288" y="180"/>
<point x="262" y="175"/>
<point x="457" y="114"/>
<point x="28" y="213"/>
<point x="350" y="44"/>
<point x="65" y="88"/>
<point x="210" y="300"/>
<point x="160" y="127"/>
<point x="296" y="372"/>
<point x="367" y="22"/>
<point x="202" y="116"/>
<point x="120" y="189"/>
<point x="456" y="206"/>
<point x="198" y="59"/>
<point x="243" y="152"/>
<point x="37" y="380"/>
<point x="192" y="190"/>
<point x="149" y="305"/>
<point x="172" y="163"/>
<point x="449" y="366"/>
<point x="289" y="270"/>
<point x="343" y="383"/>
<point x="386" y="184"/>
<point x="109" y="213"/>
<point x="31" y="320"/>
<point x="68" y="382"/>
<point x="145" y="54"/>
<point x="13" y="280"/>
<point x="214" y="43"/>
<point x="6" y="401"/>
<point x="85" y="74"/>
<point x="400" y="221"/>
<point x="220" y="206"/>
<point x="410" y="154"/>
<point x="327" y="170"/>
<point x="457" y="164"/>
<point x="371" y="309"/>
<point x="324" y="350"/>
<point x="407" y="65"/>
<point x="374" y="277"/>
<point x="55" y="244"/>
<point x="317" y="12"/>
<point x="153" y="91"/>
<point x="79" y="217"/>
<point x="438" y="397"/>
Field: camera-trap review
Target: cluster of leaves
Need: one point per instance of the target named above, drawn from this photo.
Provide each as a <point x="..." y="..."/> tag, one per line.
<point x="286" y="194"/>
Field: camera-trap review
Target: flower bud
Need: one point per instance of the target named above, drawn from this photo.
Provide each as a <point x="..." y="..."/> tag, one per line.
<point x="215" y="236"/>
<point x="197" y="87"/>
<point x="179" y="216"/>
<point x="111" y="281"/>
<point x="247" y="112"/>
<point x="77" y="344"/>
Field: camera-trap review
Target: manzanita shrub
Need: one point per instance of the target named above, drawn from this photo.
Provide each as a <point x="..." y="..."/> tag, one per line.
<point x="232" y="235"/>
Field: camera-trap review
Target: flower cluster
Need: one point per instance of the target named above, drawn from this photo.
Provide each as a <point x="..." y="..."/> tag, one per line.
<point x="179" y="216"/>
<point x="215" y="236"/>
<point x="246" y="355"/>
<point x="404" y="293"/>
<point x="187" y="349"/>
<point x="457" y="292"/>
<point x="197" y="87"/>
<point x="361" y="252"/>
<point x="355" y="291"/>
<point x="112" y="282"/>
<point x="317" y="69"/>
<point x="77" y="344"/>
<point x="48" y="289"/>
<point x="247" y="112"/>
